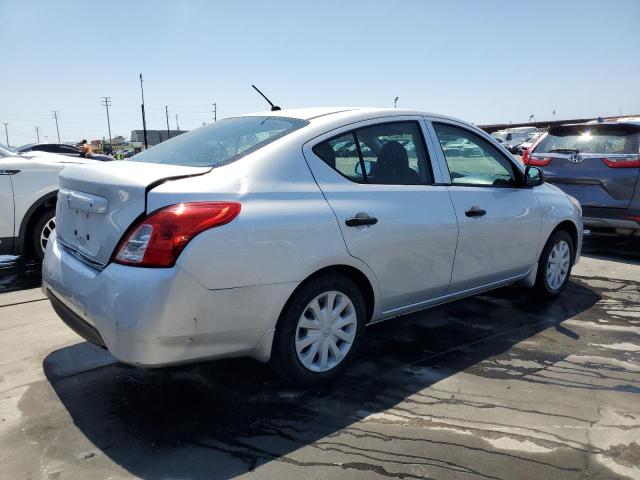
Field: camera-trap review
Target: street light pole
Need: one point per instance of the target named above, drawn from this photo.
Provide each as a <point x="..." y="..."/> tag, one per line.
<point x="166" y="112"/>
<point x="6" y="132"/>
<point x="144" y="120"/>
<point x="56" y="116"/>
<point x="215" y="112"/>
<point x="395" y="102"/>
<point x="38" y="134"/>
<point x="107" y="103"/>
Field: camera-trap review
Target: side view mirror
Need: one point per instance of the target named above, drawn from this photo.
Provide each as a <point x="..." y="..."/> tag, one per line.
<point x="533" y="176"/>
<point x="367" y="167"/>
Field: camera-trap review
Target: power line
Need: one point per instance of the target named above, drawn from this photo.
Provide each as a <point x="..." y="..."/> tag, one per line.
<point x="106" y="101"/>
<point x="56" y="116"/>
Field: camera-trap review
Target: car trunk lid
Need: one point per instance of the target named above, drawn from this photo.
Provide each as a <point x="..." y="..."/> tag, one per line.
<point x="98" y="203"/>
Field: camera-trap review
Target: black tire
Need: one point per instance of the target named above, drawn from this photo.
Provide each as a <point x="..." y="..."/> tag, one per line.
<point x="41" y="222"/>
<point x="284" y="357"/>
<point x="542" y="286"/>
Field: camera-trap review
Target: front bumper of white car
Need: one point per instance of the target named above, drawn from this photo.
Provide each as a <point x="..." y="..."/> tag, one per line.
<point x="160" y="316"/>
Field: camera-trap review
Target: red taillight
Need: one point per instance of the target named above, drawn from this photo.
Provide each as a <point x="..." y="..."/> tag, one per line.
<point x="632" y="161"/>
<point x="537" y="161"/>
<point x="158" y="239"/>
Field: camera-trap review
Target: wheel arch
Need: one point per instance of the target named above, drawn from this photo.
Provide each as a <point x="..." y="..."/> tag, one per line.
<point x="44" y="203"/>
<point x="349" y="271"/>
<point x="572" y="230"/>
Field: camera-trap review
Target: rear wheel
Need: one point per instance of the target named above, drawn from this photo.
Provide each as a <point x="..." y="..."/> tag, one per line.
<point x="42" y="228"/>
<point x="319" y="330"/>
<point x="555" y="264"/>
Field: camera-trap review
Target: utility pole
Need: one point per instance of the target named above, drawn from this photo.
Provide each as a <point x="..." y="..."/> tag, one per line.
<point x="395" y="102"/>
<point x="144" y="121"/>
<point x="106" y="101"/>
<point x="6" y="132"/>
<point x="177" y="124"/>
<point x="166" y="112"/>
<point x="57" y="116"/>
<point x="38" y="134"/>
<point x="215" y="112"/>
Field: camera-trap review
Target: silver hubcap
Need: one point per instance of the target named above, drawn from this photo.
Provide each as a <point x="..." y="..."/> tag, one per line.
<point x="46" y="233"/>
<point x="558" y="265"/>
<point x="326" y="331"/>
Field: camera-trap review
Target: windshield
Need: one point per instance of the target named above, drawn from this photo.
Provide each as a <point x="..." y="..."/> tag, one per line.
<point x="611" y="139"/>
<point x="220" y="143"/>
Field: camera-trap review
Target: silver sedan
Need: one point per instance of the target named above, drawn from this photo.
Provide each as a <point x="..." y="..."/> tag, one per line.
<point x="282" y="235"/>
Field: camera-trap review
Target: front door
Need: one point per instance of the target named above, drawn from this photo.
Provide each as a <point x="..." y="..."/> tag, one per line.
<point x="499" y="219"/>
<point x="378" y="180"/>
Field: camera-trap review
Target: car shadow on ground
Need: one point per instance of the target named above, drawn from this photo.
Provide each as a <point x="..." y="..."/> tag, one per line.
<point x="221" y="419"/>
<point x="19" y="273"/>
<point x="618" y="249"/>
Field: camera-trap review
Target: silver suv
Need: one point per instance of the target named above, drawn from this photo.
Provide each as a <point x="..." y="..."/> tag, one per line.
<point x="599" y="164"/>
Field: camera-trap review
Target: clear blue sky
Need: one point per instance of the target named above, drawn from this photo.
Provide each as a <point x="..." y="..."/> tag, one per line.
<point x="483" y="61"/>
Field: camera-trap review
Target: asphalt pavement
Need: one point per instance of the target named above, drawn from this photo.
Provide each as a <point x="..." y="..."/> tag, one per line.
<point x="499" y="386"/>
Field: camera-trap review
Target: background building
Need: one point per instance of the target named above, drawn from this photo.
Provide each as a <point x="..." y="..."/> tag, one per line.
<point x="154" y="137"/>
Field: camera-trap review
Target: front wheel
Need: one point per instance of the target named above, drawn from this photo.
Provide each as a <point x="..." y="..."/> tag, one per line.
<point x="319" y="330"/>
<point x="42" y="228"/>
<point x="555" y="264"/>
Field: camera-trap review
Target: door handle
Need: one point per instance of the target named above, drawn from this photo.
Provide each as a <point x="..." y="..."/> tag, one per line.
<point x="475" y="211"/>
<point x="360" y="220"/>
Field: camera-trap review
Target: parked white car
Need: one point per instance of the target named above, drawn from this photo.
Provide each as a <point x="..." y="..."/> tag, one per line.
<point x="28" y="187"/>
<point x="281" y="235"/>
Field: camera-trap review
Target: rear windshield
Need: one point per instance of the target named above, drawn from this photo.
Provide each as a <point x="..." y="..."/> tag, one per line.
<point x="611" y="139"/>
<point x="221" y="142"/>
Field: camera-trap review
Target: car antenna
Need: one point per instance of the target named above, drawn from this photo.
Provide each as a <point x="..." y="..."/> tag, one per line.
<point x="274" y="108"/>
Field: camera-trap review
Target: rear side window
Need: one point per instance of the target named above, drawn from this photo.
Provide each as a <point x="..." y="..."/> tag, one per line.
<point x="386" y="154"/>
<point x="610" y="139"/>
<point x="221" y="142"/>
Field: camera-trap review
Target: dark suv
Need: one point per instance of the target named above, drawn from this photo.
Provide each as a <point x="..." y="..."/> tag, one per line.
<point x="598" y="163"/>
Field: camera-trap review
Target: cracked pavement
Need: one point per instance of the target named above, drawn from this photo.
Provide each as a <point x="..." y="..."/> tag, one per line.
<point x="499" y="386"/>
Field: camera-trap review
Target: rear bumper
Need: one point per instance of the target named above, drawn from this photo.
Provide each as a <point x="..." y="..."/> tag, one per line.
<point x="611" y="218"/>
<point x="158" y="317"/>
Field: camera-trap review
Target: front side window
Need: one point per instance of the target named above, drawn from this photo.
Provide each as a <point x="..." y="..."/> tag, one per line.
<point x="221" y="142"/>
<point x="472" y="160"/>
<point x="387" y="154"/>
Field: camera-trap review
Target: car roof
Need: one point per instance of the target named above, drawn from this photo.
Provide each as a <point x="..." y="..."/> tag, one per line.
<point x="592" y="123"/>
<point x="328" y="118"/>
<point x="313" y="113"/>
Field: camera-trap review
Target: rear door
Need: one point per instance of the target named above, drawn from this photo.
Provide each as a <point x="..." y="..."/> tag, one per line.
<point x="499" y="220"/>
<point x="393" y="215"/>
<point x="596" y="163"/>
